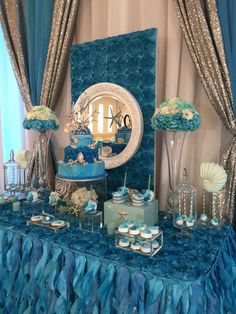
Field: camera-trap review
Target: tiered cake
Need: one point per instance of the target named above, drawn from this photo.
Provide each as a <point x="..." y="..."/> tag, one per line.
<point x="123" y="135"/>
<point x="81" y="160"/>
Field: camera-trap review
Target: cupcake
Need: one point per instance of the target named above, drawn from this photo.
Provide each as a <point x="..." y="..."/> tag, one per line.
<point x="123" y="228"/>
<point x="142" y="226"/>
<point x="134" y="230"/>
<point x="124" y="242"/>
<point x="154" y="229"/>
<point x="135" y="245"/>
<point x="147" y="234"/>
<point x="146" y="248"/>
<point x="129" y="223"/>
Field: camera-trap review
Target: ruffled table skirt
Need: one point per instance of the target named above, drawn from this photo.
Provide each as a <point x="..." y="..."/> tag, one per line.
<point x="74" y="271"/>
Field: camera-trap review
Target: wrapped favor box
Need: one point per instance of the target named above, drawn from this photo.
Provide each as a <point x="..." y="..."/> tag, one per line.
<point x="147" y="213"/>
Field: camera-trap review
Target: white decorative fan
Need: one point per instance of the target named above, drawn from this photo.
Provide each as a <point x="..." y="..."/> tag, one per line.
<point x="213" y="175"/>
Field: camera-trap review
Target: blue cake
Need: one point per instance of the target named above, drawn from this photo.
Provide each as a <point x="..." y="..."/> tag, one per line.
<point x="81" y="158"/>
<point x="123" y="135"/>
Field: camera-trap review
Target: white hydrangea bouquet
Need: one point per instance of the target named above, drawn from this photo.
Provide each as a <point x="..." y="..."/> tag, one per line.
<point x="41" y="118"/>
<point x="176" y="114"/>
<point x="80" y="199"/>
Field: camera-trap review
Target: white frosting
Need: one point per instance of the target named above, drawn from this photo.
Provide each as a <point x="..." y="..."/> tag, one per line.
<point x="123" y="229"/>
<point x="135" y="246"/>
<point x="146" y="234"/>
<point x="134" y="231"/>
<point x="146" y="248"/>
<point x="124" y="242"/>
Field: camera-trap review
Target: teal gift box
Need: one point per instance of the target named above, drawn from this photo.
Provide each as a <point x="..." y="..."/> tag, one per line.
<point x="147" y="213"/>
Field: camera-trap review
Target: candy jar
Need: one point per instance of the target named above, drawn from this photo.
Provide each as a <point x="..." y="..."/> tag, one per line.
<point x="184" y="216"/>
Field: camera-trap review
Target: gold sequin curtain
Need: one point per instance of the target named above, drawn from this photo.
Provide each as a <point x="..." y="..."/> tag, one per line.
<point x="9" y="18"/>
<point x="64" y="17"/>
<point x="201" y="28"/>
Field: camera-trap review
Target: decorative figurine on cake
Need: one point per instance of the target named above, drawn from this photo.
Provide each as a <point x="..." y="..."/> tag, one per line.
<point x="81" y="157"/>
<point x="214" y="178"/>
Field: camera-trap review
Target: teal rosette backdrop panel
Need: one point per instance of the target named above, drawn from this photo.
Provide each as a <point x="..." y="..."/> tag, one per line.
<point x="130" y="61"/>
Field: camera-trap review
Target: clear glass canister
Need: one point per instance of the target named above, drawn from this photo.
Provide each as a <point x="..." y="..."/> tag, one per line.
<point x="185" y="215"/>
<point x="12" y="175"/>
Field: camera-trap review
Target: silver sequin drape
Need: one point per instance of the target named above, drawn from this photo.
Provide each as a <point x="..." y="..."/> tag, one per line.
<point x="201" y="28"/>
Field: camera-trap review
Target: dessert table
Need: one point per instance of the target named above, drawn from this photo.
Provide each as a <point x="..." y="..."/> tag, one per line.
<point x="74" y="271"/>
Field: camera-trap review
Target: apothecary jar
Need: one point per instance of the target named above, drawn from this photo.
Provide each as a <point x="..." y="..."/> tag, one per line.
<point x="185" y="215"/>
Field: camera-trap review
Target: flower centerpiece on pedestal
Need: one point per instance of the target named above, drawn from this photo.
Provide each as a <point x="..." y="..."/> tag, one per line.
<point x="175" y="117"/>
<point x="43" y="120"/>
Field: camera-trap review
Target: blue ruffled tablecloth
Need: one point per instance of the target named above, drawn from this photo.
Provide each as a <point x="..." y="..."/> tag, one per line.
<point x="74" y="271"/>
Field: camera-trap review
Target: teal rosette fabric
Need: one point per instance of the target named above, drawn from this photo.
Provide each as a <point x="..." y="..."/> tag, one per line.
<point x="176" y="114"/>
<point x="41" y="118"/>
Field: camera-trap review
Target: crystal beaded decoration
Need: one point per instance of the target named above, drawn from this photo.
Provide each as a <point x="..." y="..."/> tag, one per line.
<point x="12" y="175"/>
<point x="185" y="204"/>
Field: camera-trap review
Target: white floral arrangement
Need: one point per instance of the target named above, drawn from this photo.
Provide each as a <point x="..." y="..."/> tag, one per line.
<point x="176" y="114"/>
<point x="41" y="118"/>
<point x="54" y="198"/>
<point x="81" y="197"/>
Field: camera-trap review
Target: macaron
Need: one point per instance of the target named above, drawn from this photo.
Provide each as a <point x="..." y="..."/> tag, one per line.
<point x="36" y="218"/>
<point x="58" y="223"/>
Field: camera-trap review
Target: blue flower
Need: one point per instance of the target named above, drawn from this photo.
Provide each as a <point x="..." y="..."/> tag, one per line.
<point x="176" y="114"/>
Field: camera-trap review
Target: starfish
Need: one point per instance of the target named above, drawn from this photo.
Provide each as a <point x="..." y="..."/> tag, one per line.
<point x="123" y="214"/>
<point x="115" y="118"/>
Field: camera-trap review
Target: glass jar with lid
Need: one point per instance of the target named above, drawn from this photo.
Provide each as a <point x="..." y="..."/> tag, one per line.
<point x="185" y="215"/>
<point x="12" y="175"/>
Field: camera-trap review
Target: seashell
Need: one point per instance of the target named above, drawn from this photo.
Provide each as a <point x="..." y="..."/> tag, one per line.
<point x="53" y="198"/>
<point x="80" y="159"/>
<point x="120" y="140"/>
<point x="106" y="150"/>
<point x="91" y="207"/>
<point x="32" y="196"/>
<point x="213" y="175"/>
